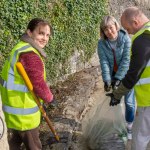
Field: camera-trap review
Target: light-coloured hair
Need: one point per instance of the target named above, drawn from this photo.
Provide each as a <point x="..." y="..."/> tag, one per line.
<point x="106" y="21"/>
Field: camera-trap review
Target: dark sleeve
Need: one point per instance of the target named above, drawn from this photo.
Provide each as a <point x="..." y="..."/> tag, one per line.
<point x="35" y="70"/>
<point x="139" y="59"/>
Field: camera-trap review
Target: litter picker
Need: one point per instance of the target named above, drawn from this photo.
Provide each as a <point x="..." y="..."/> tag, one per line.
<point x="28" y="83"/>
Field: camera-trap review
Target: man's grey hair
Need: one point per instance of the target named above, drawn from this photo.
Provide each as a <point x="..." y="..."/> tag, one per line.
<point x="132" y="12"/>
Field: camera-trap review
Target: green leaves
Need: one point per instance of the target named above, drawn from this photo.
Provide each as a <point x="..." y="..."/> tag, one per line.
<point x="75" y="24"/>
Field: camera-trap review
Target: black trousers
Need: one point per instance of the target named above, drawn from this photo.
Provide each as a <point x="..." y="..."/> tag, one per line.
<point x="29" y="138"/>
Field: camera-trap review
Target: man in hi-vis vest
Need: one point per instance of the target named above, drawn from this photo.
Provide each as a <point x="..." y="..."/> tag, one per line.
<point x="138" y="75"/>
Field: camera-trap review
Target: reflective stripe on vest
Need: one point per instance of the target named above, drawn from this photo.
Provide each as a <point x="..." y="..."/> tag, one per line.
<point x="142" y="87"/>
<point x="10" y="84"/>
<point x="147" y="26"/>
<point x="20" y="111"/>
<point x="140" y="32"/>
<point x="144" y="80"/>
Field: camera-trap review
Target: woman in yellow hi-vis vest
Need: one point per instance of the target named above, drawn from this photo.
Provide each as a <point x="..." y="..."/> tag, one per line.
<point x="21" y="111"/>
<point x="138" y="75"/>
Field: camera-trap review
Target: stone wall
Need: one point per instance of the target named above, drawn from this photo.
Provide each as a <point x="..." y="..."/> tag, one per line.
<point x="116" y="7"/>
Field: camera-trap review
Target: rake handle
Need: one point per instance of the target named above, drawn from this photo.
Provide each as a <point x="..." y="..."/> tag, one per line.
<point x="28" y="83"/>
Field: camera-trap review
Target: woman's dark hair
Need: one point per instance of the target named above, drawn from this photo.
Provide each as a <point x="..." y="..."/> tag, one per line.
<point x="36" y="22"/>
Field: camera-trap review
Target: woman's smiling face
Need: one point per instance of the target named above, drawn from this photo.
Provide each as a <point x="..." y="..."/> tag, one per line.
<point x="40" y="35"/>
<point x="111" y="31"/>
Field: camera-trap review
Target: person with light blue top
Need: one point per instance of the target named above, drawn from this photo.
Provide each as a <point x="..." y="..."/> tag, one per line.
<point x="114" y="56"/>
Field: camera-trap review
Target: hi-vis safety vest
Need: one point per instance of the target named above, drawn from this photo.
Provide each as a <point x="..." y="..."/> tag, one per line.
<point x="142" y="87"/>
<point x="20" y="109"/>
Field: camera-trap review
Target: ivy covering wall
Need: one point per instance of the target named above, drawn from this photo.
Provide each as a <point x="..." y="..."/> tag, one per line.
<point x="75" y="27"/>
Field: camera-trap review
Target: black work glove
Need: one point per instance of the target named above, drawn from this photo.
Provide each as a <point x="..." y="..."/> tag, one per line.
<point x="113" y="101"/>
<point x="115" y="83"/>
<point x="107" y="86"/>
<point x="54" y="103"/>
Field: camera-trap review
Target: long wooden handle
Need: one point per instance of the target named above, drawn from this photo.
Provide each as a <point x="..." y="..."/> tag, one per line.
<point x="28" y="83"/>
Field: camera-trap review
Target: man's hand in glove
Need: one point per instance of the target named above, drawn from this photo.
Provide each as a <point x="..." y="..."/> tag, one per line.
<point x="115" y="83"/>
<point x="113" y="101"/>
<point x="117" y="94"/>
<point x="107" y="86"/>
